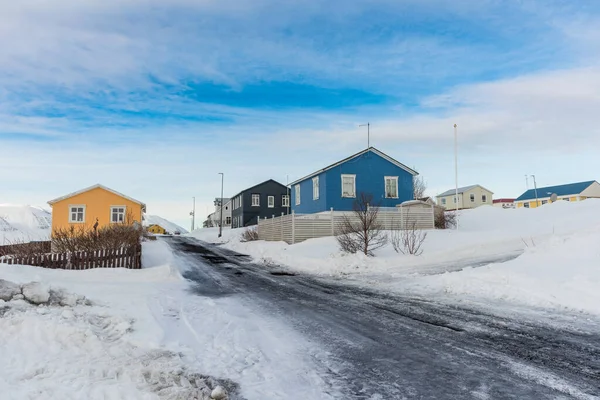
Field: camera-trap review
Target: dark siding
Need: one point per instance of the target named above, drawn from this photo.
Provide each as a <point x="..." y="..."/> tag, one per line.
<point x="249" y="214"/>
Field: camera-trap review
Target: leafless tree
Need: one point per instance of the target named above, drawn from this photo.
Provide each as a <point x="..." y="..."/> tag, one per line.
<point x="361" y="231"/>
<point x="249" y="235"/>
<point x="408" y="240"/>
<point x="445" y="219"/>
<point x="419" y="187"/>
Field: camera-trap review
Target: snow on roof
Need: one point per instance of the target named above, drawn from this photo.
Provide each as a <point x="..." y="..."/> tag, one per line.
<point x="461" y="190"/>
<point x="97" y="186"/>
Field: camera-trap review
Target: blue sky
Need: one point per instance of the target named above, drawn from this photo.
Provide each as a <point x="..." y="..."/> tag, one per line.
<point x="154" y="98"/>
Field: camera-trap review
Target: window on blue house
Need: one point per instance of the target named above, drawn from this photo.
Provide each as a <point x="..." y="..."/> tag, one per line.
<point x="315" y="188"/>
<point x="297" y="194"/>
<point x="348" y="185"/>
<point x="391" y="187"/>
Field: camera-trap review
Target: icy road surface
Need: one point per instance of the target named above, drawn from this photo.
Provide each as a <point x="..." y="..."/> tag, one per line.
<point x="384" y="346"/>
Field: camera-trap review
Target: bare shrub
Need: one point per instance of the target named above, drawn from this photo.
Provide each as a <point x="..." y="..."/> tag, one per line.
<point x="361" y="231"/>
<point x="445" y="219"/>
<point x="249" y="235"/>
<point x="24" y="248"/>
<point x="419" y="187"/>
<point x="409" y="240"/>
<point x="109" y="237"/>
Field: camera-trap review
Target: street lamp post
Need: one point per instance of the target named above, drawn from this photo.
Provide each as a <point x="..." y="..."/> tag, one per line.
<point x="193" y="213"/>
<point x="221" y="218"/>
<point x="456" y="170"/>
<point x="535" y="188"/>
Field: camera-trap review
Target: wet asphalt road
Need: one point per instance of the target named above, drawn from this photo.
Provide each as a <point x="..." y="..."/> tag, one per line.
<point x="393" y="347"/>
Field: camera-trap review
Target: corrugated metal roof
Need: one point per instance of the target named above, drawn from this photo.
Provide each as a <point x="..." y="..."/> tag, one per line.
<point x="560" y="190"/>
<point x="461" y="190"/>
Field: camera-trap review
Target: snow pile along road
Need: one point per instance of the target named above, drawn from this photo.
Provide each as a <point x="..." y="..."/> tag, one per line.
<point x="559" y="267"/>
<point x="55" y="344"/>
<point x="168" y="225"/>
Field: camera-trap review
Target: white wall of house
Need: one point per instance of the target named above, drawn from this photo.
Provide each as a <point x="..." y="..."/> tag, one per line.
<point x="472" y="198"/>
<point x="592" y="191"/>
<point x="215" y="218"/>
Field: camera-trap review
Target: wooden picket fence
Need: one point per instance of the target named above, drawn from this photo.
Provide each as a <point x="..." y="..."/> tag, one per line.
<point x="126" y="257"/>
<point x="31" y="247"/>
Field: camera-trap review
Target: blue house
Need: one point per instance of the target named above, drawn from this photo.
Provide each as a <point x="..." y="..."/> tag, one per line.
<point x="370" y="171"/>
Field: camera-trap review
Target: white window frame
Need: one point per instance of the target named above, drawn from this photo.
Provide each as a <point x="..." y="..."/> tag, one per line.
<point x="256" y="196"/>
<point x="71" y="206"/>
<point x="285" y="200"/>
<point x="385" y="180"/>
<point x="484" y="198"/>
<point x="353" y="196"/>
<point x="443" y="201"/>
<point x="315" y="183"/>
<point x="472" y="197"/>
<point x="124" y="214"/>
<point x="297" y="194"/>
<point x="271" y="201"/>
<point x="526" y="205"/>
<point x="227" y="220"/>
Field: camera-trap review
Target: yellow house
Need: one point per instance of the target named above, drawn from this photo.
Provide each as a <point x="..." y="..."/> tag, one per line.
<point x="570" y="192"/>
<point x="95" y="204"/>
<point x="157" y="229"/>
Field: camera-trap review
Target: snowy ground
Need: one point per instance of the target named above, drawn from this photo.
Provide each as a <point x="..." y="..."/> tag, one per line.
<point x="146" y="335"/>
<point x="558" y="267"/>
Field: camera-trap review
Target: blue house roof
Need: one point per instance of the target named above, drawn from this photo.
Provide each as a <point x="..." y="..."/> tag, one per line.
<point x="370" y="149"/>
<point x="560" y="190"/>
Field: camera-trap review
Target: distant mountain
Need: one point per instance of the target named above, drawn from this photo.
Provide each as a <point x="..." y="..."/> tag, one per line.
<point x="23" y="224"/>
<point x="168" y="225"/>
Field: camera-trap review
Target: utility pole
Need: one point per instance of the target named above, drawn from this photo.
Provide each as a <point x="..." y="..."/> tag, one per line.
<point x="287" y="185"/>
<point x="527" y="181"/>
<point x="221" y="222"/>
<point x="193" y="213"/>
<point x="536" y="195"/>
<point x="456" y="169"/>
<point x="368" y="125"/>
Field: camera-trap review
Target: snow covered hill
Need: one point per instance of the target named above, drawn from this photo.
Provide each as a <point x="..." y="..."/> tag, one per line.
<point x="168" y="225"/>
<point x="20" y="223"/>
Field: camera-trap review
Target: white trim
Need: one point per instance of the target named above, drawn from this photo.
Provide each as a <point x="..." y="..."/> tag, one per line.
<point x="297" y="198"/>
<point x="353" y="176"/>
<point x="71" y="213"/>
<point x="315" y="188"/>
<point x="269" y="203"/>
<point x="98" y="186"/>
<point x="255" y="196"/>
<point x="385" y="180"/>
<point x="370" y="149"/>
<point x="110" y="219"/>
<point x="285" y="200"/>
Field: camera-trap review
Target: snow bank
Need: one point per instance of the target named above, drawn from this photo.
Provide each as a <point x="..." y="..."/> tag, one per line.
<point x="561" y="272"/>
<point x="168" y="225"/>
<point x="557" y="255"/>
<point x="23" y="223"/>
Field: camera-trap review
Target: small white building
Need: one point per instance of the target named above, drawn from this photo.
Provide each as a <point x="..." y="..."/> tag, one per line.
<point x="468" y="197"/>
<point x="213" y="220"/>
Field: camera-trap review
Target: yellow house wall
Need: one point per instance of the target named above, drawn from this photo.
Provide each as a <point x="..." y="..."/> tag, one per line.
<point x="157" y="229"/>
<point x="97" y="204"/>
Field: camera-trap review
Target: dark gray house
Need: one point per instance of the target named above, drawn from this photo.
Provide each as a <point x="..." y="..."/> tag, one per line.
<point x="263" y="200"/>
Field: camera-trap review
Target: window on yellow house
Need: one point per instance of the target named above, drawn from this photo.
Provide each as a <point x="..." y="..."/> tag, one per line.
<point x="117" y="214"/>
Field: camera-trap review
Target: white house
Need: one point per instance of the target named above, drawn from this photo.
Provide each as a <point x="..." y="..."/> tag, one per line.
<point x="468" y="197"/>
<point x="214" y="219"/>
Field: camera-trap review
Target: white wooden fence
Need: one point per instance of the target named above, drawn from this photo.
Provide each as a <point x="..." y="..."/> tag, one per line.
<point x="295" y="228"/>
